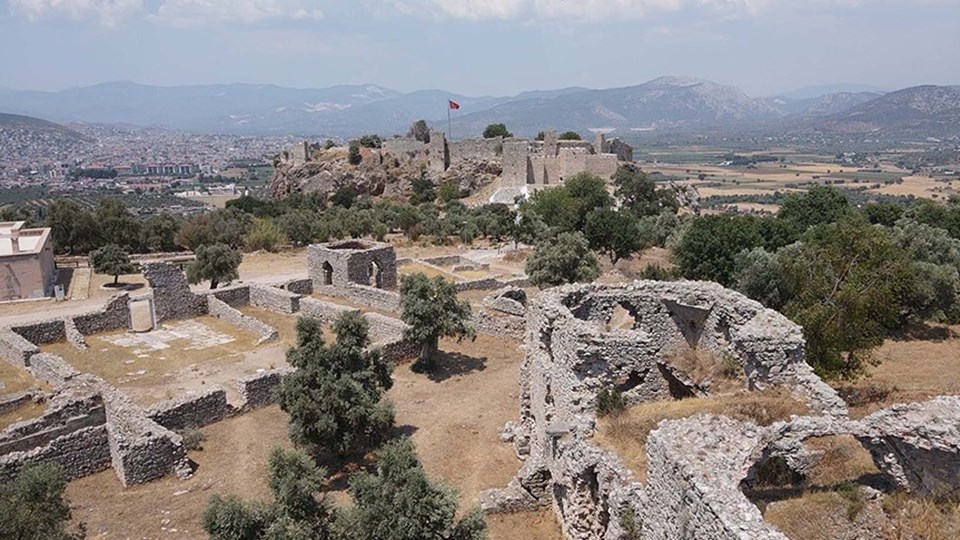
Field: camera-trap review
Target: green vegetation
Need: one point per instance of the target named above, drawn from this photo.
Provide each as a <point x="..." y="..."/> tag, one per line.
<point x="564" y="258"/>
<point x="33" y="506"/>
<point x="112" y="261"/>
<point x="217" y="263"/>
<point x="496" y="130"/>
<point x="295" y="512"/>
<point x="399" y="502"/>
<point x="335" y="398"/>
<point x="431" y="309"/>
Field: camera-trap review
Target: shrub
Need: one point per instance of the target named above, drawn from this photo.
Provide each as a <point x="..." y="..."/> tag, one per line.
<point x="610" y="402"/>
<point x="354" y="157"/>
<point x="193" y="438"/>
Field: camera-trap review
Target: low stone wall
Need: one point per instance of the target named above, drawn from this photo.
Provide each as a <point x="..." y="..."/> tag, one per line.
<point x="172" y="296"/>
<point x="274" y="299"/>
<point x="366" y="296"/>
<point x="302" y="286"/>
<point x="71" y="433"/>
<point x="398" y="352"/>
<point x="325" y="312"/>
<point x="42" y="333"/>
<point x="193" y="410"/>
<point x="15" y="349"/>
<point x="74" y="336"/>
<point x="115" y="315"/>
<point x="221" y="310"/>
<point x="52" y="369"/>
<point x="384" y="329"/>
<point x="499" y="324"/>
<point x="258" y="390"/>
<point x="485" y="284"/>
<point x="12" y="402"/>
<point x="235" y="296"/>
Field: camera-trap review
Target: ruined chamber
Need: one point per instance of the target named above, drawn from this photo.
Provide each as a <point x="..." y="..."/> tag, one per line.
<point x="584" y="338"/>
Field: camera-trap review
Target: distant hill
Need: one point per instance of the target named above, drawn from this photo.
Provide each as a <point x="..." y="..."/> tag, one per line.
<point x="813" y="92"/>
<point x="918" y="112"/>
<point x="674" y="106"/>
<point x="15" y="128"/>
<point x="664" y="104"/>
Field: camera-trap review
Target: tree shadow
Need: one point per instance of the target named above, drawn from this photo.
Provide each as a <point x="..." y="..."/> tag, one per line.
<point x="340" y="469"/>
<point x="925" y="332"/>
<point x="446" y="365"/>
<point x="122" y="286"/>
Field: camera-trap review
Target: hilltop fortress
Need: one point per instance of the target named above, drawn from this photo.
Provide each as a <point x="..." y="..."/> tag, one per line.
<point x="518" y="163"/>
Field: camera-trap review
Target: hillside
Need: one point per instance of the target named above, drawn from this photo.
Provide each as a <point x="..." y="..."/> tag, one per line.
<point x="21" y="135"/>
<point x="667" y="106"/>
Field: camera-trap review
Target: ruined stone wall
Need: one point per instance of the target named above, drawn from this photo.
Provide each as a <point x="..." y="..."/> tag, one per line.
<point x="366" y="296"/>
<point x="115" y="315"/>
<point x="438" y="157"/>
<point x="572" y="161"/>
<point x="15" y="349"/>
<point x="172" y="296"/>
<point x="42" y="333"/>
<point x="193" y="410"/>
<point x="339" y="264"/>
<point x="517" y="168"/>
<point x="72" y="433"/>
<point x="572" y="352"/>
<point x="259" y="390"/>
<point x="303" y="286"/>
<point x="274" y="299"/>
<point x="404" y="148"/>
<point x="475" y="149"/>
<point x="602" y="165"/>
<point x="236" y="296"/>
<point x="498" y="324"/>
<point x="52" y="368"/>
<point x="325" y="312"/>
<point x="221" y="310"/>
<point x="74" y="336"/>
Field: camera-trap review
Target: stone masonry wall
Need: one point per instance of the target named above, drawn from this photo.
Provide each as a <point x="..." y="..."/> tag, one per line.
<point x="258" y="390"/>
<point x="350" y="262"/>
<point x="42" y="333"/>
<point x="193" y="410"/>
<point x="274" y="299"/>
<point x="366" y="296"/>
<point x="115" y="315"/>
<point x="221" y="310"/>
<point x="236" y="296"/>
<point x="172" y="297"/>
<point x="325" y="312"/>
<point x="15" y="349"/>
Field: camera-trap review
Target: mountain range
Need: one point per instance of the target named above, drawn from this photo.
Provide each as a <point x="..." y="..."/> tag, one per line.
<point x="667" y="105"/>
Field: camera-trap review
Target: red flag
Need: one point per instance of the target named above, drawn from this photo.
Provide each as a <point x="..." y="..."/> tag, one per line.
<point x="453" y="104"/>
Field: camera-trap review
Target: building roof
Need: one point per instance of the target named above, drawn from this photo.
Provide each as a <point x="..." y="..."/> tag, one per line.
<point x="15" y="240"/>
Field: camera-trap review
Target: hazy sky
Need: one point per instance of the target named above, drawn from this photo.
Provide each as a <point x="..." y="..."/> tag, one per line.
<point x="480" y="46"/>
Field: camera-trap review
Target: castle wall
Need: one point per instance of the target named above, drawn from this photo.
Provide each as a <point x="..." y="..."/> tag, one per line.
<point x="517" y="169"/>
<point x="475" y="149"/>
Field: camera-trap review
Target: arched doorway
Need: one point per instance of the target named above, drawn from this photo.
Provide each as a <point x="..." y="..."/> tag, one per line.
<point x="327" y="273"/>
<point x="374" y="277"/>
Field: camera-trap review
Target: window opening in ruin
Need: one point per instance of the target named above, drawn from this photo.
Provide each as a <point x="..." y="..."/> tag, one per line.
<point x="374" y="276"/>
<point x="630" y="382"/>
<point x="621" y="319"/>
<point x="327" y="273"/>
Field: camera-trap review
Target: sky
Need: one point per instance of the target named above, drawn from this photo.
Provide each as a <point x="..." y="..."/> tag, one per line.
<point x="480" y="47"/>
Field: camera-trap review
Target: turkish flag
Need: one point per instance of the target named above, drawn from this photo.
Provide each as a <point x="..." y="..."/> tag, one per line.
<point x="453" y="104"/>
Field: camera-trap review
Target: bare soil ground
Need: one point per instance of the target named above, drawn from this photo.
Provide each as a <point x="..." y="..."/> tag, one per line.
<point x="453" y="417"/>
<point x="179" y="357"/>
<point x="24" y="412"/>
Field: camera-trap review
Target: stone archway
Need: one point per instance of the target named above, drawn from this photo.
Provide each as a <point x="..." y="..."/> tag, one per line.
<point x="327" y="273"/>
<point x="375" y="276"/>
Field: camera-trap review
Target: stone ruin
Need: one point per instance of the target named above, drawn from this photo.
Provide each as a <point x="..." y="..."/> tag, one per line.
<point x="584" y="338"/>
<point x="357" y="262"/>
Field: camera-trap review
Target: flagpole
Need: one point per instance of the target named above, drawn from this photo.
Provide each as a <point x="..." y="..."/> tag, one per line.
<point x="449" y="125"/>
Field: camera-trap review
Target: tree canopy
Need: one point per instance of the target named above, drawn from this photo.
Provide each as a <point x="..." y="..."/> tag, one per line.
<point x="33" y="505"/>
<point x="564" y="258"/>
<point x="218" y="263"/>
<point x="335" y="398"/>
<point x="399" y="502"/>
<point x="112" y="261"/>
<point x="431" y="309"/>
<point x="496" y="130"/>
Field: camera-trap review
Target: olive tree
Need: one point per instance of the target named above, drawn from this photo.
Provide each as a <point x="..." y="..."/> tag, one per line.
<point x="431" y="310"/>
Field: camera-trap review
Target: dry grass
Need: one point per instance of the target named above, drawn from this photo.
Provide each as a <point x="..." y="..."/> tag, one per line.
<point x="149" y="376"/>
<point x="923" y="518"/>
<point x="844" y="460"/>
<point x="627" y="433"/>
<point x="908" y="371"/>
<point x="429" y="271"/>
<point x="540" y="525"/>
<point x="16" y="380"/>
<point x="715" y="372"/>
<point x="24" y="412"/>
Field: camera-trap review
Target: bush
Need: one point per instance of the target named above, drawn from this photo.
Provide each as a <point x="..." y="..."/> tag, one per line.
<point x="496" y="130"/>
<point x="565" y="258"/>
<point x="264" y="236"/>
<point x="193" y="438"/>
<point x="354" y="157"/>
<point x="32" y="505"/>
<point x="610" y="402"/>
